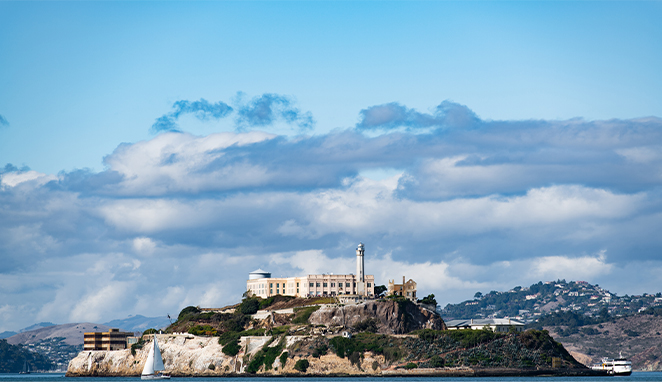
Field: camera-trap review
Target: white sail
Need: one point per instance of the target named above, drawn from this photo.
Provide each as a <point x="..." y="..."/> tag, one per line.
<point x="149" y="364"/>
<point x="158" y="360"/>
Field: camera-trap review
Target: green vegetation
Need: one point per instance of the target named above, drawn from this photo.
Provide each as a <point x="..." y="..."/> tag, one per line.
<point x="150" y="331"/>
<point x="411" y="365"/>
<point x="379" y="289"/>
<point x="369" y="325"/>
<point x="203" y="330"/>
<point x="283" y="359"/>
<point x="362" y="342"/>
<point x="429" y="300"/>
<point x="13" y="359"/>
<point x="188" y="311"/>
<point x="249" y="306"/>
<point x="302" y="365"/>
<point x="303" y="314"/>
<point x="436" y="361"/>
<point x="266" y="356"/>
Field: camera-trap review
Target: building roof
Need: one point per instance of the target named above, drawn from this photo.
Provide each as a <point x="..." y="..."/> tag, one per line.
<point x="259" y="271"/>
<point x="484" y="322"/>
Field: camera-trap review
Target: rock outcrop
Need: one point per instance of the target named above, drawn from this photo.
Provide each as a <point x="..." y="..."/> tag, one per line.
<point x="393" y="317"/>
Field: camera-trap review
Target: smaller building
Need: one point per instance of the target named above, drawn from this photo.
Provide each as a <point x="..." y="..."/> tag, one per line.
<point x="110" y="340"/>
<point x="499" y="325"/>
<point x="406" y="289"/>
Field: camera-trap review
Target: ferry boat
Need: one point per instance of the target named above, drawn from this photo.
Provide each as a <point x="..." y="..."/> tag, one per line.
<point x="618" y="366"/>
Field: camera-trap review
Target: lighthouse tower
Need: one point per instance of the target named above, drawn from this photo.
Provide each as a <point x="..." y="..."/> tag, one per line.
<point x="360" y="272"/>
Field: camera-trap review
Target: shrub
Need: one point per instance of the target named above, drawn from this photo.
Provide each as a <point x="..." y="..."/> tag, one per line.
<point x="355" y="359"/>
<point x="375" y="365"/>
<point x="429" y="300"/>
<point x="202" y="330"/>
<point x="302" y="365"/>
<point x="283" y="359"/>
<point x="436" y="361"/>
<point x="211" y="366"/>
<point x="232" y="348"/>
<point x="189" y="310"/>
<point x="303" y="314"/>
<point x="411" y="365"/>
<point x="249" y="306"/>
<point x="320" y="351"/>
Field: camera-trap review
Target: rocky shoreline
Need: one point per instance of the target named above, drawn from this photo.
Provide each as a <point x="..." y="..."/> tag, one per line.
<point x="186" y="355"/>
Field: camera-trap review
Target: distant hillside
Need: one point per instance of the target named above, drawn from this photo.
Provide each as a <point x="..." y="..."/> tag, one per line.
<point x="72" y="333"/>
<point x="6" y="334"/>
<point x="638" y="337"/>
<point x="139" y="323"/>
<point x="36" y="326"/>
<point x="542" y="298"/>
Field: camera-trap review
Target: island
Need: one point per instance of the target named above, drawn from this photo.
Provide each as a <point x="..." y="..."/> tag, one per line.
<point x="318" y="336"/>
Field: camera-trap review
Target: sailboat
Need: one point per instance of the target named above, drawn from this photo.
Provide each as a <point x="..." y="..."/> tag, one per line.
<point x="154" y="363"/>
<point x="26" y="369"/>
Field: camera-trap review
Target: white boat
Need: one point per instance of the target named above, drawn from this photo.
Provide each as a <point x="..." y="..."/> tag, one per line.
<point x="154" y="364"/>
<point x="618" y="366"/>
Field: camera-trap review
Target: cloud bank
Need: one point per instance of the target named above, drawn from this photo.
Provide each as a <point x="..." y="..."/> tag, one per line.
<point x="467" y="205"/>
<point x="263" y="111"/>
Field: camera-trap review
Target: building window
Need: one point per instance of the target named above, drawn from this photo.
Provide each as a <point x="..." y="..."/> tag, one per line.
<point x="369" y="285"/>
<point x="311" y="285"/>
<point x="271" y="285"/>
<point x="355" y="285"/>
<point x="318" y="284"/>
<point x="271" y="291"/>
<point x="324" y="285"/>
<point x="297" y="285"/>
<point x="297" y="290"/>
<point x="347" y="285"/>
<point x="333" y="285"/>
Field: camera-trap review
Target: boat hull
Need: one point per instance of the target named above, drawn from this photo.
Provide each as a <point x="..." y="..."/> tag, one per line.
<point x="154" y="377"/>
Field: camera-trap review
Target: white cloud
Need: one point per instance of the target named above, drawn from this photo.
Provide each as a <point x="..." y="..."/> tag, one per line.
<point x="12" y="179"/>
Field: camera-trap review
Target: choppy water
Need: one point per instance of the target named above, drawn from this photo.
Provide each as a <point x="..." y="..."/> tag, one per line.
<point x="635" y="377"/>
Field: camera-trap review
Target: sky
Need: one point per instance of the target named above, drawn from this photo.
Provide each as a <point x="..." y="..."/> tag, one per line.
<point x="152" y="154"/>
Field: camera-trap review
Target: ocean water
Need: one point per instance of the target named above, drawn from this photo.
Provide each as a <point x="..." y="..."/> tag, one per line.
<point x="635" y="377"/>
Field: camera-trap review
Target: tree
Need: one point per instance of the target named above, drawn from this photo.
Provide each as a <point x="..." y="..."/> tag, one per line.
<point x="429" y="300"/>
<point x="302" y="365"/>
<point x="379" y="289"/>
<point x="478" y="296"/>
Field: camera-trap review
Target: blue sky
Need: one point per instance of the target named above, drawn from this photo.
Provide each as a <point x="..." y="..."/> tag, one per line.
<point x="453" y="138"/>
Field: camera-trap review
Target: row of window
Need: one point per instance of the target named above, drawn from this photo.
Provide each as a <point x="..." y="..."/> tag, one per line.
<point x="333" y="285"/>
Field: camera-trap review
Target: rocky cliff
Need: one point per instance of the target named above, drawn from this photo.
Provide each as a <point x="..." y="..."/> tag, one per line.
<point x="429" y="352"/>
<point x="390" y="317"/>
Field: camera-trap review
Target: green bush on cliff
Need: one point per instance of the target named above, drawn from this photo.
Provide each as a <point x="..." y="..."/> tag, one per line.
<point x="411" y="365"/>
<point x="249" y="306"/>
<point x="202" y="330"/>
<point x="232" y="348"/>
<point x="283" y="359"/>
<point x="188" y="311"/>
<point x="303" y="314"/>
<point x="470" y="338"/>
<point x="266" y="356"/>
<point x="302" y="365"/>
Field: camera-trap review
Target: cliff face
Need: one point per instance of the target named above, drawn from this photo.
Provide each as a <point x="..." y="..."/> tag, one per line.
<point x="188" y="355"/>
<point x="392" y="317"/>
<point x="432" y="352"/>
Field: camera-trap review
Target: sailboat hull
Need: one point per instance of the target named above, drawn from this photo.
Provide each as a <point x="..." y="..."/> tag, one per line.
<point x="154" y="377"/>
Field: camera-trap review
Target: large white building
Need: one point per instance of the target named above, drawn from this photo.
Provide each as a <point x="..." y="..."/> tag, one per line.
<point x="261" y="284"/>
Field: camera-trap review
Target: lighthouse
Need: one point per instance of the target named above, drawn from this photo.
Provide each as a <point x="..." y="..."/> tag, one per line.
<point x="360" y="272"/>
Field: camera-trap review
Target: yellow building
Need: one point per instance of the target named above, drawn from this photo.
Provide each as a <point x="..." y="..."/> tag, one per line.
<point x="110" y="340"/>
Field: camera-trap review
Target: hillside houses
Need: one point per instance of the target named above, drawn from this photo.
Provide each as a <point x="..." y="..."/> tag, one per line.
<point x="528" y="303"/>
